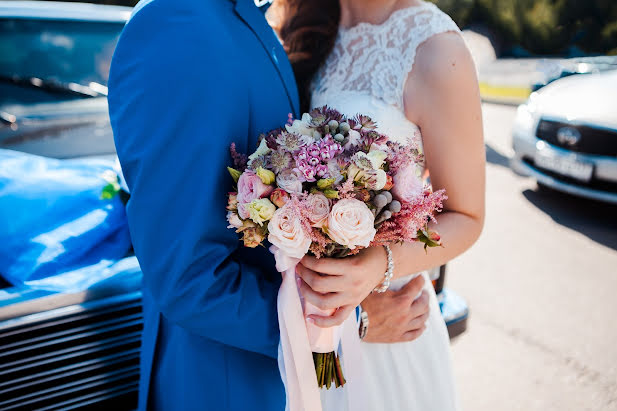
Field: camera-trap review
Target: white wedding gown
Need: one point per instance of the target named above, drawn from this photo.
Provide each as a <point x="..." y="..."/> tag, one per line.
<point x="366" y="73"/>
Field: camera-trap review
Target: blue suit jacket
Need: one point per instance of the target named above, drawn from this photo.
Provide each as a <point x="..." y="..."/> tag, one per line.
<point x="188" y="78"/>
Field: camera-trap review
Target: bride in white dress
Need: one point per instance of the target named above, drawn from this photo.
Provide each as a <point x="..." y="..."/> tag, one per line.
<point x="403" y="63"/>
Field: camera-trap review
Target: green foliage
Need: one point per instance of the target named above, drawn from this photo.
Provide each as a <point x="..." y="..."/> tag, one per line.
<point x="543" y="26"/>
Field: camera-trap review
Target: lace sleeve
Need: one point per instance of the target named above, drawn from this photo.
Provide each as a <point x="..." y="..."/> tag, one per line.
<point x="376" y="59"/>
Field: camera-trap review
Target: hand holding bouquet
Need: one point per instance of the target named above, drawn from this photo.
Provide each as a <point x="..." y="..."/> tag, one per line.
<point x="329" y="186"/>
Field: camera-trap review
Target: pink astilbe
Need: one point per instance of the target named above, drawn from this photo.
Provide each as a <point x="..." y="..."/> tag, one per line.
<point x="302" y="213"/>
<point x="320" y="242"/>
<point x="346" y="190"/>
<point x="404" y="226"/>
<point x="400" y="156"/>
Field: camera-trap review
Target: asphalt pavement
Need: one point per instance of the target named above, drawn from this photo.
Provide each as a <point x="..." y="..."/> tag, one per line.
<point x="541" y="284"/>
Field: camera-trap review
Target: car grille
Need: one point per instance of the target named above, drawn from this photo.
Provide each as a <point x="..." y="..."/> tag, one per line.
<point x="77" y="357"/>
<point x="593" y="140"/>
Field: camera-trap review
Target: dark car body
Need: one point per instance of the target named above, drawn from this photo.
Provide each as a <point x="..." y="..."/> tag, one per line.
<point x="75" y="350"/>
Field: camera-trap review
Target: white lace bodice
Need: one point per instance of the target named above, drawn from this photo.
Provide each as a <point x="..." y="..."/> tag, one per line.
<point x="369" y="65"/>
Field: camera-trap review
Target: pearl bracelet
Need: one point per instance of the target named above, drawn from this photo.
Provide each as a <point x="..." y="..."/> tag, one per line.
<point x="383" y="287"/>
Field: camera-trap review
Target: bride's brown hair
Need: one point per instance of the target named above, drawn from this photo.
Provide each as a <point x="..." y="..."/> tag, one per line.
<point x="308" y="30"/>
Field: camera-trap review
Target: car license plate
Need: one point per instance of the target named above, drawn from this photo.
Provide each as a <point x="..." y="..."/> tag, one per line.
<point x="566" y="166"/>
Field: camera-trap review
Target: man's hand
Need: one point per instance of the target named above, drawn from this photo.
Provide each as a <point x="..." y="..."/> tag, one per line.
<point x="395" y="316"/>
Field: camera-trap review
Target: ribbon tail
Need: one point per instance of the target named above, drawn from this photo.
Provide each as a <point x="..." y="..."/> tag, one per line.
<point x="295" y="356"/>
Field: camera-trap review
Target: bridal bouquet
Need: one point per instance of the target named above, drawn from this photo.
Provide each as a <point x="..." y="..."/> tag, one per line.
<point x="329" y="186"/>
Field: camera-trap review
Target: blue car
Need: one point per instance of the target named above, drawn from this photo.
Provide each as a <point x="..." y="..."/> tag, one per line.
<point x="77" y="348"/>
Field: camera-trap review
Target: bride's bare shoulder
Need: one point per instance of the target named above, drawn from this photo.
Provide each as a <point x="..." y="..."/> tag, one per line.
<point x="443" y="67"/>
<point x="442" y="55"/>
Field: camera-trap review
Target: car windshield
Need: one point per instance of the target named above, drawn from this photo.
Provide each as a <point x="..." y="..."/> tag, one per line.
<point x="57" y="52"/>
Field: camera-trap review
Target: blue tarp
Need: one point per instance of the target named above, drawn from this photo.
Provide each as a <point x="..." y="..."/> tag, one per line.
<point x="53" y="221"/>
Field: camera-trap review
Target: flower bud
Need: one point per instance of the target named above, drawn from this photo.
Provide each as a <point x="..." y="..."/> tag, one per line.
<point x="331" y="194"/>
<point x="267" y="176"/>
<point x="388" y="196"/>
<point x="333" y="124"/>
<point x="389" y="183"/>
<point x="235" y="174"/>
<point x="232" y="201"/>
<point x="339" y="138"/>
<point x="395" y="206"/>
<point x="252" y="237"/>
<point x="363" y="195"/>
<point x="325" y="183"/>
<point x="279" y="197"/>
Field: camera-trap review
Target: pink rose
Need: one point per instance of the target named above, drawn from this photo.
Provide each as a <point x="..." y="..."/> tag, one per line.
<point x="408" y="184"/>
<point x="287" y="233"/>
<point x="250" y="187"/>
<point x="318" y="207"/>
<point x="351" y="223"/>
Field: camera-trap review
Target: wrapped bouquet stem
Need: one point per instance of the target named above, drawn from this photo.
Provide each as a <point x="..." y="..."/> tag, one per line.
<point x="327" y="186"/>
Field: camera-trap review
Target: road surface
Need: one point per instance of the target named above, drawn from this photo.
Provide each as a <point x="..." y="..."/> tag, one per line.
<point x="541" y="284"/>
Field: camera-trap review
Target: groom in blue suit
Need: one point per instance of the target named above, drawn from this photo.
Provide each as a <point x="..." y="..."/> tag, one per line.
<point x="188" y="78"/>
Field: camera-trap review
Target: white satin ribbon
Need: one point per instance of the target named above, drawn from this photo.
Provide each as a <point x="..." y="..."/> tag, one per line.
<point x="295" y="356"/>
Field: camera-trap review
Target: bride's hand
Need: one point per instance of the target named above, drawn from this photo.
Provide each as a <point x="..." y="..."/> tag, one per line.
<point x="340" y="283"/>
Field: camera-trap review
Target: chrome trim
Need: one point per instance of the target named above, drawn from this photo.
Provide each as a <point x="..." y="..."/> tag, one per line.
<point x="51" y="10"/>
<point x="58" y="304"/>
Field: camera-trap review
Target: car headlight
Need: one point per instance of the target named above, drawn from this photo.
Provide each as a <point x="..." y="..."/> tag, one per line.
<point x="525" y="120"/>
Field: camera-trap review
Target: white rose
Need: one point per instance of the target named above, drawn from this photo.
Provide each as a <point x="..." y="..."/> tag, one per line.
<point x="351" y="223"/>
<point x="289" y="181"/>
<point x="286" y="232"/>
<point x="319" y="209"/>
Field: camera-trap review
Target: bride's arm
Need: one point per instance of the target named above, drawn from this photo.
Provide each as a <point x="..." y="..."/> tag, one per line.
<point x="442" y="98"/>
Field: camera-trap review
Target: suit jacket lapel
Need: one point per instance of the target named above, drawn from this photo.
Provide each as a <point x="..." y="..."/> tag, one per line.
<point x="254" y="18"/>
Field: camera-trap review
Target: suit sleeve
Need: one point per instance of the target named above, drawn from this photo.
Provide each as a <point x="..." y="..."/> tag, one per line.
<point x="176" y="103"/>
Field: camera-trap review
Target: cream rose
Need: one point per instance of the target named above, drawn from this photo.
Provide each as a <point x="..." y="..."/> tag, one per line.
<point x="318" y="207"/>
<point x="286" y="232"/>
<point x="351" y="223"/>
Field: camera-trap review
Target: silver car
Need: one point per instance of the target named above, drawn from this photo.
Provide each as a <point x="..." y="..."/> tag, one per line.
<point x="565" y="136"/>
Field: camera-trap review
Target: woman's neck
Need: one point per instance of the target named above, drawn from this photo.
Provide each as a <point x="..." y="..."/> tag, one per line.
<point x="370" y="11"/>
